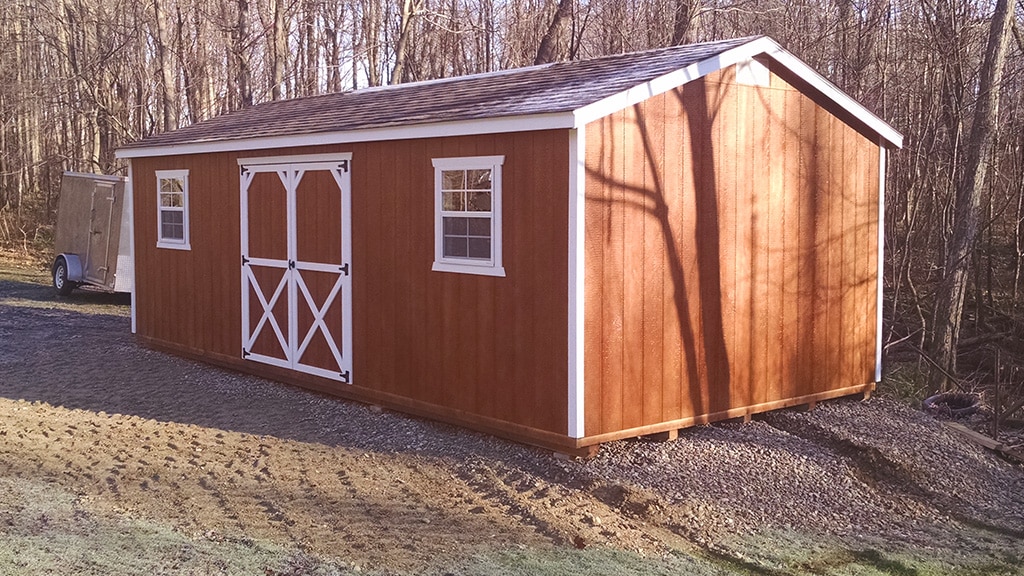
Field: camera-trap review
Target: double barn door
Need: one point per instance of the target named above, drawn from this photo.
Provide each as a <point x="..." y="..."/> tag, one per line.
<point x="296" y="263"/>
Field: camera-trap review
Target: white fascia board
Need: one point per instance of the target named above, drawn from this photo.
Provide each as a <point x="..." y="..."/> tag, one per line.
<point x="669" y="81"/>
<point x="560" y="120"/>
<point x="763" y="45"/>
<point x="820" y="83"/>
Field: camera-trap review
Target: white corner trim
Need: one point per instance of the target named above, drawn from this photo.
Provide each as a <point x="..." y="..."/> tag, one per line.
<point x="433" y="130"/>
<point x="881" y="260"/>
<point x="577" y="273"/>
<point x="737" y="55"/>
<point x="129" y="205"/>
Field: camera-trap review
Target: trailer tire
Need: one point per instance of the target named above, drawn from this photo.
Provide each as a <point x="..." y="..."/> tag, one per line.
<point x="60" y="277"/>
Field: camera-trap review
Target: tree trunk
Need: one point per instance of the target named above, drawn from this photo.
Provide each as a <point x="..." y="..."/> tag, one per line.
<point x="279" y="51"/>
<point x="409" y="9"/>
<point x="682" y="19"/>
<point x="370" y="39"/>
<point x="243" y="76"/>
<point x="170" y="119"/>
<point x="949" y="303"/>
<point x="546" y="50"/>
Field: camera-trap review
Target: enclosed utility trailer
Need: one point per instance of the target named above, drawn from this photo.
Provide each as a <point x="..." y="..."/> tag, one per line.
<point x="92" y="240"/>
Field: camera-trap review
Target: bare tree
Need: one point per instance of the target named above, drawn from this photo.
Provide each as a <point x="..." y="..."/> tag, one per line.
<point x="410" y="9"/>
<point x="167" y="68"/>
<point x="546" y="50"/>
<point x="970" y="187"/>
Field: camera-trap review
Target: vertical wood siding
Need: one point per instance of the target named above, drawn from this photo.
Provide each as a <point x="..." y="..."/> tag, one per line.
<point x="493" y="347"/>
<point x="731" y="241"/>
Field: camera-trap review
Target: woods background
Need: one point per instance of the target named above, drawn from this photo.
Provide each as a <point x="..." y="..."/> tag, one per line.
<point x="78" y="78"/>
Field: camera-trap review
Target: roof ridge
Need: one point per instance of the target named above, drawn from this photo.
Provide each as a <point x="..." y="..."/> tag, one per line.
<point x="736" y="41"/>
<point x="508" y="71"/>
<point x="442" y="80"/>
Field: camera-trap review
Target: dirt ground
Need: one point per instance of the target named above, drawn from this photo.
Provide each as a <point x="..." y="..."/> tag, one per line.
<point x="115" y="459"/>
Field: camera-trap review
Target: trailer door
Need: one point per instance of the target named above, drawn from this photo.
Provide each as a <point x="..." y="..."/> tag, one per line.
<point x="101" y="225"/>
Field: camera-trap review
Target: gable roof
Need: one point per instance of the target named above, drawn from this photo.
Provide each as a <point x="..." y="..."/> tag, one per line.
<point x="549" y="96"/>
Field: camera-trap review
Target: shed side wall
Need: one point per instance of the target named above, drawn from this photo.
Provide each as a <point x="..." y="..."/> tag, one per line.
<point x="731" y="240"/>
<point x="471" y="345"/>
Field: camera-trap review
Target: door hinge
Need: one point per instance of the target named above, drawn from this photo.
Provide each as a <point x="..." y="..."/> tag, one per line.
<point x="244" y="260"/>
<point x="291" y="264"/>
<point x="343" y="165"/>
<point x="245" y="353"/>
<point x="345" y="376"/>
<point x="344" y="269"/>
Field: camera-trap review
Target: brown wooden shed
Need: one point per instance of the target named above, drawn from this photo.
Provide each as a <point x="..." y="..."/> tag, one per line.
<point x="564" y="254"/>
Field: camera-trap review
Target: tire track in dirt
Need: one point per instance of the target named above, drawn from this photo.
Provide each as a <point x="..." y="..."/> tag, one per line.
<point x="597" y="514"/>
<point x="214" y="485"/>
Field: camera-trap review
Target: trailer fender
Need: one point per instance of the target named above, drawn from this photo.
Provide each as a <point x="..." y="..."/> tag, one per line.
<point x="74" y="266"/>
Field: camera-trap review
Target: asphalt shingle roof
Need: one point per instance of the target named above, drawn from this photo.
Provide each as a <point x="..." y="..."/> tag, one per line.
<point x="548" y="88"/>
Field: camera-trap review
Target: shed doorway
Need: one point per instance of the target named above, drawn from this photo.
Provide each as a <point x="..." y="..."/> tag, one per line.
<point x="296" y="263"/>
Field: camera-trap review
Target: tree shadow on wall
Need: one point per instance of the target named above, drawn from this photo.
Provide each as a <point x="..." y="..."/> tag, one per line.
<point x="701" y="323"/>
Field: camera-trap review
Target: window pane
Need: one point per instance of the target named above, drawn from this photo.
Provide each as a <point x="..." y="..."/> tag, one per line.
<point x="172" y="231"/>
<point x="478" y="179"/>
<point x="456" y="226"/>
<point x="453" y="179"/>
<point x="172" y="217"/>
<point x="480" y="248"/>
<point x="172" y="200"/>
<point x="478" y="202"/>
<point x="455" y="246"/>
<point x="480" y="227"/>
<point x="453" y="201"/>
<point x="172" y="185"/>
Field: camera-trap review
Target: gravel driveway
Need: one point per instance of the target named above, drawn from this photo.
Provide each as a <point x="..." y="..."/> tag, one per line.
<point x="118" y="459"/>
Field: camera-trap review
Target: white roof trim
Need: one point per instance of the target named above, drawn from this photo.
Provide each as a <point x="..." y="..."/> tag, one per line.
<point x="100" y="177"/>
<point x="762" y="45"/>
<point x="561" y="120"/>
<point x="887" y="132"/>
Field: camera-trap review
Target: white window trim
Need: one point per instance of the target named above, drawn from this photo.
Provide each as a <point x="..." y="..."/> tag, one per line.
<point x="174" y="244"/>
<point x="465" y="266"/>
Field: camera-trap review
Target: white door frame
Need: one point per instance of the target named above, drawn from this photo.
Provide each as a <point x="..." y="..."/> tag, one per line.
<point x="290" y="170"/>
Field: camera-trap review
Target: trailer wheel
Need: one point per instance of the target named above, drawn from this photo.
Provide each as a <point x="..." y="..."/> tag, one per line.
<point x="60" y="277"/>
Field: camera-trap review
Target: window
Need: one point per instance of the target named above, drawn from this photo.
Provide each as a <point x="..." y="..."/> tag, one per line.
<point x="172" y="209"/>
<point x="467" y="219"/>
